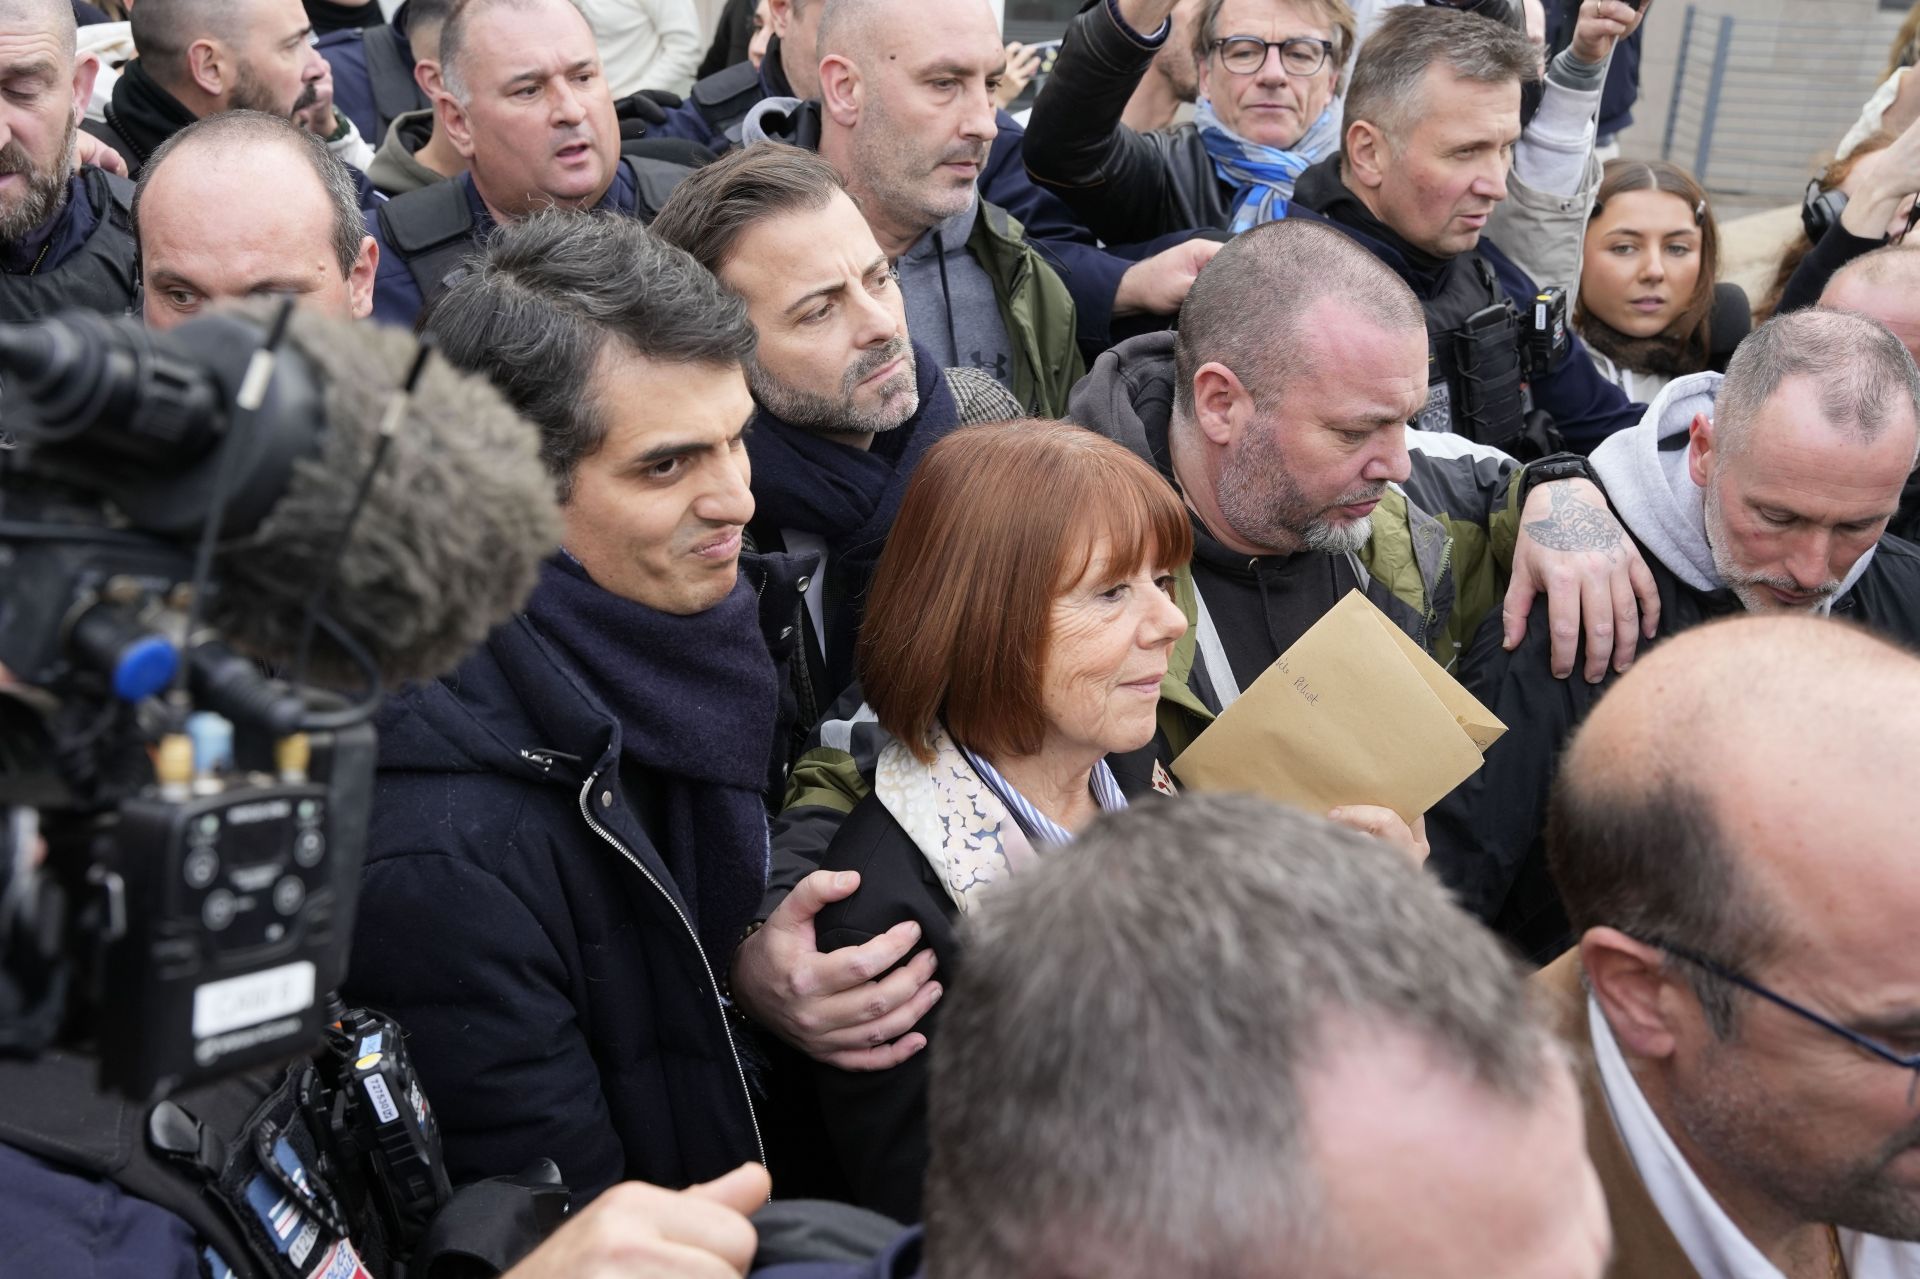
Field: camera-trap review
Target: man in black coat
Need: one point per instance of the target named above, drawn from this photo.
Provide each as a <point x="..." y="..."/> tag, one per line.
<point x="569" y="832"/>
<point x="1769" y="489"/>
<point x="65" y="236"/>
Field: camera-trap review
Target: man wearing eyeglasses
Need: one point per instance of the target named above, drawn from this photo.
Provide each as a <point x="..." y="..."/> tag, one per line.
<point x="1733" y="834"/>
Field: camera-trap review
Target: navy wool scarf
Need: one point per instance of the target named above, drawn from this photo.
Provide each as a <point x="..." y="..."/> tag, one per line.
<point x="846" y="496"/>
<point x="697" y="699"/>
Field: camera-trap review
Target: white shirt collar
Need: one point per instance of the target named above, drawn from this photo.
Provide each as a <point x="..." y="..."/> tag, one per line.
<point x="1705" y="1233"/>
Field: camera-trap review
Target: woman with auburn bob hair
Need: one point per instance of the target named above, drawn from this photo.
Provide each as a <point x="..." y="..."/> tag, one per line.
<point x="1017" y="631"/>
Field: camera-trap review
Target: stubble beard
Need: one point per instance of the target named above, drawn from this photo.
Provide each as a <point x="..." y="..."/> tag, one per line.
<point x="898" y="400"/>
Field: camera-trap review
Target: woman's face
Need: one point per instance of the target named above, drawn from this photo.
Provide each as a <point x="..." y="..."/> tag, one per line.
<point x="1107" y="652"/>
<point x="1643" y="261"/>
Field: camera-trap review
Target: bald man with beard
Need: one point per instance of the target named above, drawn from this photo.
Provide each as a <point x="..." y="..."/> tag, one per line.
<point x="200" y="57"/>
<point x="65" y="236"/>
<point x="1732" y="833"/>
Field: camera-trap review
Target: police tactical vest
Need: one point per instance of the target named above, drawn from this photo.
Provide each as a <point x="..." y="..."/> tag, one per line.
<point x="102" y="276"/>
<point x="724" y="98"/>
<point x="1475" y="360"/>
<point x="432" y="230"/>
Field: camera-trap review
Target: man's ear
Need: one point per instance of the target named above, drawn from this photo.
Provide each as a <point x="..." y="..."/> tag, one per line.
<point x="86" y="68"/>
<point x="1221" y="403"/>
<point x="209" y="68"/>
<point x="780" y="16"/>
<point x="1700" y="451"/>
<point x="426" y="74"/>
<point x="360" y="279"/>
<point x="841" y="90"/>
<point x="1366" y="156"/>
<point x="453" y="118"/>
<point x="1631" y="982"/>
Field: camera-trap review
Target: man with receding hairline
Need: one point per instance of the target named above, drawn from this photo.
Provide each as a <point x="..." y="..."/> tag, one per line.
<point x="1733" y="835"/>
<point x="65" y="237"/>
<point x="244" y="203"/>
<point x="525" y="104"/>
<point x="1768" y="489"/>
<point x="200" y="57"/>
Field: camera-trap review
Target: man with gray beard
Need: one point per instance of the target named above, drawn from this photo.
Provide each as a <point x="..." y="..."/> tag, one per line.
<point x="66" y="237"/>
<point x="847" y="402"/>
<point x="1766" y="490"/>
<point x="1280" y="412"/>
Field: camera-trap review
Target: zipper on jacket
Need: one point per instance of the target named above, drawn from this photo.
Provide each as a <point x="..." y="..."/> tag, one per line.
<point x="1433" y="603"/>
<point x="586" y="813"/>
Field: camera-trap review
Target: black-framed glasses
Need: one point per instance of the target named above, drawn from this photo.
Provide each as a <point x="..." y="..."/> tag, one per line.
<point x="1854" y="1037"/>
<point x="1301" y="55"/>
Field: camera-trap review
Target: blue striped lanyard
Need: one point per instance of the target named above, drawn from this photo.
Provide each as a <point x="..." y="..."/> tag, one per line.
<point x="1039" y="828"/>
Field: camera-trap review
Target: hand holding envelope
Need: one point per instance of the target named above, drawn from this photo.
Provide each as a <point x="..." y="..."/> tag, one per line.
<point x="1353" y="713"/>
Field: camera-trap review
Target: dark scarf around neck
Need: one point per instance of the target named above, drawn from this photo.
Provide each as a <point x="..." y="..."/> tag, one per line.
<point x="848" y="496"/>
<point x="144" y="113"/>
<point x="697" y="700"/>
<point x="1662" y="355"/>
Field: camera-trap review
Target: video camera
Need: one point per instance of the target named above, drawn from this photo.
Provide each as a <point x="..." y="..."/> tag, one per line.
<point x="179" y="867"/>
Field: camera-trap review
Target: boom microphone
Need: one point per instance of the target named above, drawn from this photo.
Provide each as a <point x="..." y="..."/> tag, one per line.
<point x="446" y="545"/>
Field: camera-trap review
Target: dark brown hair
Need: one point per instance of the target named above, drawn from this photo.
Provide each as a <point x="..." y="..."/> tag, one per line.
<point x="708" y="213"/>
<point x="997" y="521"/>
<point x="1691" y="330"/>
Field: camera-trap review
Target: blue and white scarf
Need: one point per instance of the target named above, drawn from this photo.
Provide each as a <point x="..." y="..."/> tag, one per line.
<point x="1262" y="176"/>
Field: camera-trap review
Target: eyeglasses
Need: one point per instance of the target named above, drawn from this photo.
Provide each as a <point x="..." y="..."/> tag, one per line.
<point x="1301" y="55"/>
<point x="1825" y="1023"/>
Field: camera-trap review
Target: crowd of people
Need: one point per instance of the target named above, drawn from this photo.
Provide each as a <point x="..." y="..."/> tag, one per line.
<point x="932" y="478"/>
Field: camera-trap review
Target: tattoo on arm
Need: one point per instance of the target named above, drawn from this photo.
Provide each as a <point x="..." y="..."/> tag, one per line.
<point x="1575" y="524"/>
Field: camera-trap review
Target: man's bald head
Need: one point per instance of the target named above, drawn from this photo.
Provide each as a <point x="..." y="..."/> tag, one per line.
<point x="163" y="31"/>
<point x="847" y="27"/>
<point x="50" y="18"/>
<point x="1885" y="286"/>
<point x="1764" y="724"/>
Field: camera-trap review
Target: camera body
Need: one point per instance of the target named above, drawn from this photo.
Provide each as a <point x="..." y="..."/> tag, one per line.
<point x="179" y="867"/>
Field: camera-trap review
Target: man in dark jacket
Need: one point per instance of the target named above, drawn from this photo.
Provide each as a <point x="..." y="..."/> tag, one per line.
<point x="1761" y="491"/>
<point x="558" y="148"/>
<point x="570" y="832"/>
<point x="1432" y="115"/>
<point x="65" y="237"/>
<point x="200" y="57"/>
<point x="373" y="66"/>
<point x="848" y="403"/>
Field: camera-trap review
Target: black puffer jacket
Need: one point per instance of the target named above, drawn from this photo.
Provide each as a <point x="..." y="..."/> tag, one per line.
<point x="518" y="922"/>
<point x="1487" y="835"/>
<point x="1126" y="186"/>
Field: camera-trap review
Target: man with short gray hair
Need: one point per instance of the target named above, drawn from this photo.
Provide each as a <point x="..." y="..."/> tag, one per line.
<point x="1297" y="1058"/>
<point x="526" y="105"/>
<point x="1432" y="116"/>
<point x="1765" y="490"/>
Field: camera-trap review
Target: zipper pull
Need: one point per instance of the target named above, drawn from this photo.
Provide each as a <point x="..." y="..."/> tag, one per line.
<point x="543" y="759"/>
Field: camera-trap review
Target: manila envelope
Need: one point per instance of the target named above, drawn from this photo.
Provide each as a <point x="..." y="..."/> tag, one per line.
<point x="1354" y="713"/>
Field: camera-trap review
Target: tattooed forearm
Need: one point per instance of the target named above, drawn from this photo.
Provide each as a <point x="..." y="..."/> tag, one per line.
<point x="1575" y="524"/>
